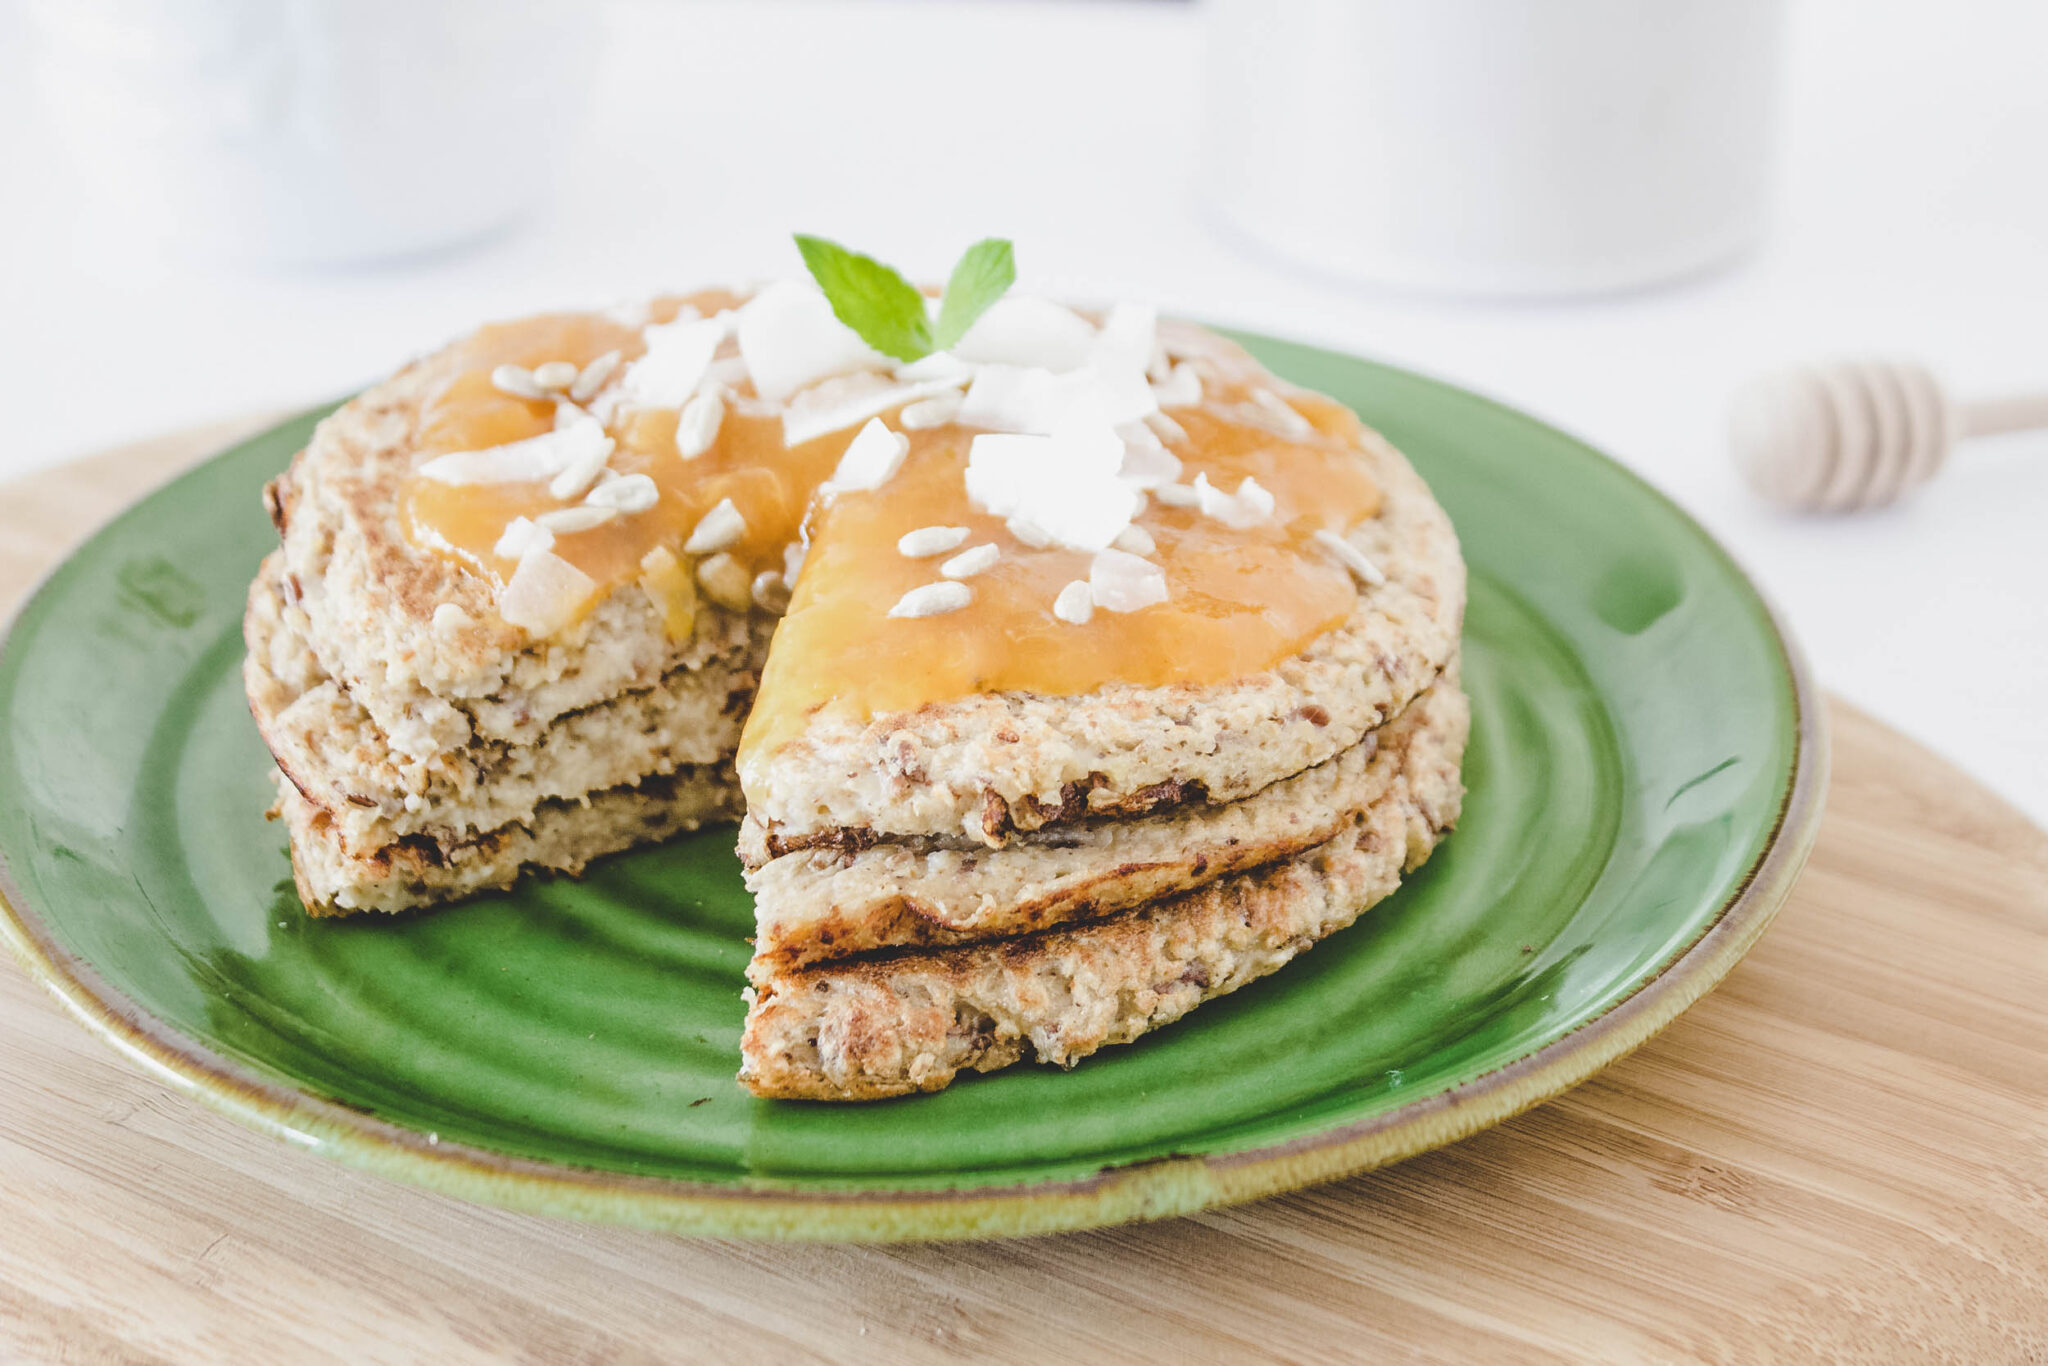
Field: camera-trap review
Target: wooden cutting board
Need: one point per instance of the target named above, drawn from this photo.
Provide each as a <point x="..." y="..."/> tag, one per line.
<point x="1842" y="1153"/>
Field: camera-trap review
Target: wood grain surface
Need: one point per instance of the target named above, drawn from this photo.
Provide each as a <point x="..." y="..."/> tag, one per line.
<point x="1841" y="1154"/>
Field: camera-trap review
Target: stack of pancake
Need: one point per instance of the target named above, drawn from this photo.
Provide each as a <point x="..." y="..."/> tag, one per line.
<point x="1006" y="877"/>
<point x="949" y="884"/>
<point x="426" y="748"/>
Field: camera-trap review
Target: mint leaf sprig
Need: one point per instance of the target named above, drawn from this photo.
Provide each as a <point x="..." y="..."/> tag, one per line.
<point x="889" y="313"/>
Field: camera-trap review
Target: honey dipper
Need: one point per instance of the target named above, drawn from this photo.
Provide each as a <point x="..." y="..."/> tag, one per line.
<point x="1850" y="435"/>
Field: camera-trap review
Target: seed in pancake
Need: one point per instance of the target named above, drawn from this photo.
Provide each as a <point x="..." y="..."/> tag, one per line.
<point x="1351" y="557"/>
<point x="771" y="591"/>
<point x="726" y="582"/>
<point x="930" y="540"/>
<point x="1284" y="415"/>
<point x="936" y="411"/>
<point x="556" y="374"/>
<point x="581" y="471"/>
<point x="567" y="521"/>
<point x="1075" y="604"/>
<point x="932" y="600"/>
<point x="1246" y="508"/>
<point x="1165" y="428"/>
<point x="517" y="381"/>
<point x="721" y="529"/>
<point x="1176" y="495"/>
<point x="592" y="377"/>
<point x="971" y="561"/>
<point x="1135" y="539"/>
<point x="1182" y="388"/>
<point x="697" y="426"/>
<point x="629" y="493"/>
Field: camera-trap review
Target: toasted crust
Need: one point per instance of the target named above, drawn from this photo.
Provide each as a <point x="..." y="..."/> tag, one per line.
<point x="828" y="904"/>
<point x="560" y="837"/>
<point x="339" y="760"/>
<point x="913" y="1021"/>
<point x="994" y="764"/>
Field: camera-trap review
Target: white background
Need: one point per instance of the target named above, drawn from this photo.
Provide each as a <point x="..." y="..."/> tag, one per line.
<point x="1914" y="221"/>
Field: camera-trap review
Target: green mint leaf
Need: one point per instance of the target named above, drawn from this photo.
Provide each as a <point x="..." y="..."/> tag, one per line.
<point x="986" y="269"/>
<point x="871" y="298"/>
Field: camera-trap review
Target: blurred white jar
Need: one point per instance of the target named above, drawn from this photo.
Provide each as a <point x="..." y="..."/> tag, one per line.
<point x="1525" y="147"/>
<point x="313" y="131"/>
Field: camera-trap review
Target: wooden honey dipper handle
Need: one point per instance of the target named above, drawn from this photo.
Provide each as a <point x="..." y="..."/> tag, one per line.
<point x="1856" y="434"/>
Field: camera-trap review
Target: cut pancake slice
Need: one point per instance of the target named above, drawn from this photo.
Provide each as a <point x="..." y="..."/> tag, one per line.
<point x="824" y="904"/>
<point x="990" y="765"/>
<point x="910" y="1021"/>
<point x="340" y="760"/>
<point x="560" y="836"/>
<point x="374" y="830"/>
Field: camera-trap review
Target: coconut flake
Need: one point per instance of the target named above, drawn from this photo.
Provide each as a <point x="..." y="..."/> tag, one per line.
<point x="1148" y="467"/>
<point x="1351" y="557"/>
<point x="450" y="618"/>
<point x="938" y="365"/>
<point x="871" y="459"/>
<point x="1176" y="496"/>
<point x="933" y="599"/>
<point x="971" y="561"/>
<point x="1020" y="330"/>
<point x="927" y="541"/>
<point x="521" y="538"/>
<point x="677" y="356"/>
<point x="1119" y="581"/>
<point x="926" y="413"/>
<point x="537" y="457"/>
<point x="629" y="493"/>
<point x="1064" y="488"/>
<point x="1136" y="540"/>
<point x="1009" y="398"/>
<point x="790" y="340"/>
<point x="1075" y="604"/>
<point x="1128" y="338"/>
<point x="845" y="400"/>
<point x="544" y="593"/>
<point x="719" y="529"/>
<point x="1248" y="507"/>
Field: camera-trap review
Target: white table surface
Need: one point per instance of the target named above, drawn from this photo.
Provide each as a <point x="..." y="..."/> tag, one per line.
<point x="1914" y="221"/>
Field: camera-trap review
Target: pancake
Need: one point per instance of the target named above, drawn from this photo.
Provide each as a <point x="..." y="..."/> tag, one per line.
<point x="339" y="760"/>
<point x="994" y="764"/>
<point x="559" y="836"/>
<point x="901" y="1023"/>
<point x="828" y="903"/>
<point x="1061" y="681"/>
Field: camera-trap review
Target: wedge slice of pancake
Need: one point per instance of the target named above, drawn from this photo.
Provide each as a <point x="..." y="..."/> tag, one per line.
<point x="903" y="1022"/>
<point x="993" y="764"/>
<point x="822" y="904"/>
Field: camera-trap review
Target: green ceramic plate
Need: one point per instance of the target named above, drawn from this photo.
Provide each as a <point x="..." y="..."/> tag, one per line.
<point x="1645" y="771"/>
